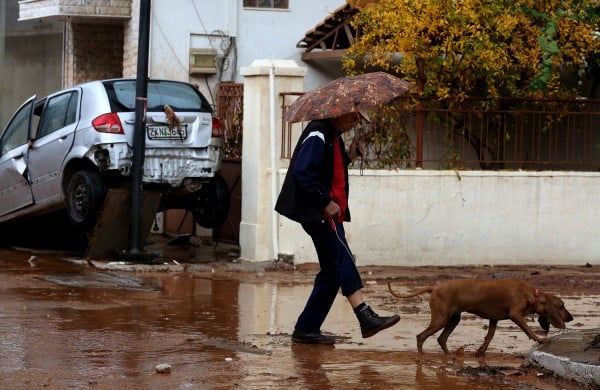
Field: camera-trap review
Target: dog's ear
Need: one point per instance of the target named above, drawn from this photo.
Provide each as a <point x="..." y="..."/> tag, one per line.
<point x="544" y="323"/>
<point x="554" y="311"/>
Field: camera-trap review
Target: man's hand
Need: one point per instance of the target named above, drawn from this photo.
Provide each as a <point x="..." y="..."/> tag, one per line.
<point x="332" y="210"/>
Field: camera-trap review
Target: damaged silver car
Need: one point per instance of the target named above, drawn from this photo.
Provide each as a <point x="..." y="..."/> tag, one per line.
<point x="66" y="150"/>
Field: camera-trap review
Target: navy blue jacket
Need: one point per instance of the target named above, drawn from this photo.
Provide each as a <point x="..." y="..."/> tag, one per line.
<point x="305" y="190"/>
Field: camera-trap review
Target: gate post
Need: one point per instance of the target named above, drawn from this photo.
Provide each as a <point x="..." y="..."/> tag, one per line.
<point x="257" y="234"/>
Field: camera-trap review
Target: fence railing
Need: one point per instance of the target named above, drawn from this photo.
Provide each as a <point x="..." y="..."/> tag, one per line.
<point x="538" y="135"/>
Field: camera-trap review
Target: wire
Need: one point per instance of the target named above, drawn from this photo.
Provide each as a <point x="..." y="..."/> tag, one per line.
<point x="200" y="19"/>
<point x="162" y="33"/>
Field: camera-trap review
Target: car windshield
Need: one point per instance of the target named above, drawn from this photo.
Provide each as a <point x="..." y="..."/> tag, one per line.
<point x="180" y="96"/>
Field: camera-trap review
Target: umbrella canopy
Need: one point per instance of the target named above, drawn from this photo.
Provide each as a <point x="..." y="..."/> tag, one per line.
<point x="345" y="95"/>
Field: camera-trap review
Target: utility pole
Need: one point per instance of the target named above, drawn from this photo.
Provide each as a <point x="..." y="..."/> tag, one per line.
<point x="139" y="136"/>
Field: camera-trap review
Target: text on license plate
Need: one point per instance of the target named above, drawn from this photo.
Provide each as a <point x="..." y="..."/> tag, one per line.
<point x="164" y="132"/>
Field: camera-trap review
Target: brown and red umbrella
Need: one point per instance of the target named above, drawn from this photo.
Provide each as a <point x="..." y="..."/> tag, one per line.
<point x="347" y="94"/>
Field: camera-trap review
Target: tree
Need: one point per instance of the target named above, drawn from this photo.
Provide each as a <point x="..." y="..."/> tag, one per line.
<point x="496" y="49"/>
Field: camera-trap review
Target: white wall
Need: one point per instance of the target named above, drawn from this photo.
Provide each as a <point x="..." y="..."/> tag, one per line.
<point x="418" y="217"/>
<point x="259" y="34"/>
<point x="424" y="217"/>
<point x="274" y="34"/>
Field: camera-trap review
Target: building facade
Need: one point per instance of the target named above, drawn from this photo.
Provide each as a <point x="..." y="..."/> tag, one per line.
<point x="49" y="44"/>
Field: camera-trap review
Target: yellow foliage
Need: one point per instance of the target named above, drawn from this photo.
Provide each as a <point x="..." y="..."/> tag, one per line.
<point x="494" y="48"/>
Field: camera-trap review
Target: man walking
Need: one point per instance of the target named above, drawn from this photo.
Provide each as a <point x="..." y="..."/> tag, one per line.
<point x="315" y="194"/>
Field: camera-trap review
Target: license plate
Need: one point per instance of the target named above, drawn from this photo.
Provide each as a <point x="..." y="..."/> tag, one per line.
<point x="164" y="132"/>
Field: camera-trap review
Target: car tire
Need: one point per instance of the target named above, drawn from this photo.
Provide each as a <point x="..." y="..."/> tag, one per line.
<point x="211" y="203"/>
<point x="84" y="197"/>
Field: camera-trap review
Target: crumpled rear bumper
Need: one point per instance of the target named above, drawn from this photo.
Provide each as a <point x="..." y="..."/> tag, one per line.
<point x="162" y="165"/>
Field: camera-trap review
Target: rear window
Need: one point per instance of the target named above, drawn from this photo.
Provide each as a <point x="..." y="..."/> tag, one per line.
<point x="180" y="96"/>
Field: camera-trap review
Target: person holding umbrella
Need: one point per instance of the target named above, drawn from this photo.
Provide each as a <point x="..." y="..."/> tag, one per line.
<point x="315" y="194"/>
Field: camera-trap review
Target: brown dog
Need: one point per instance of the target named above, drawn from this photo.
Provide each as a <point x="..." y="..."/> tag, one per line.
<point x="493" y="299"/>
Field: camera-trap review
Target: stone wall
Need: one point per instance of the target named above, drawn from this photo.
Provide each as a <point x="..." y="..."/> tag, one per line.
<point x="93" y="51"/>
<point x="130" y="44"/>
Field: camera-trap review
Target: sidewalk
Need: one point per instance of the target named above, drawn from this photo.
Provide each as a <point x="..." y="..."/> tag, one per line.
<point x="573" y="355"/>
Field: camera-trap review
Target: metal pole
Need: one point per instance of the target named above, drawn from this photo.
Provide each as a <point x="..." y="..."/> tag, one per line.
<point x="420" y="113"/>
<point x="139" y="136"/>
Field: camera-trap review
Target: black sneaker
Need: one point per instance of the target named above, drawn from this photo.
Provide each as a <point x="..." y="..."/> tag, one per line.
<point x="371" y="323"/>
<point x="311" y="338"/>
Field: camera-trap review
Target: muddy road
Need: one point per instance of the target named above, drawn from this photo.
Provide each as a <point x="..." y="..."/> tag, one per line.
<point x="217" y="324"/>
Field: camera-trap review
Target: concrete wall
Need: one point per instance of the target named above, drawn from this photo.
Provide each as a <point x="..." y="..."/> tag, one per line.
<point x="260" y="152"/>
<point x="32" y="60"/>
<point x="238" y="35"/>
<point x="92" y="46"/>
<point x="44" y="55"/>
<point x="418" y="217"/>
<point x="447" y="218"/>
<point x="274" y="34"/>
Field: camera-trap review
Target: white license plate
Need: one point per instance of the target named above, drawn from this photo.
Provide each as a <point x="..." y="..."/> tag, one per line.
<point x="164" y="132"/>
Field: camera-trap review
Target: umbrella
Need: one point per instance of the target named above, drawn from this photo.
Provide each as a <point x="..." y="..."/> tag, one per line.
<point x="347" y="94"/>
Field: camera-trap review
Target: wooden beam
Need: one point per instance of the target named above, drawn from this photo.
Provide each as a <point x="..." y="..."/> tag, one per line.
<point x="323" y="55"/>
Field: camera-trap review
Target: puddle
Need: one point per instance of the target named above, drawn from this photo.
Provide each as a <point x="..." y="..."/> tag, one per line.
<point x="102" y="280"/>
<point x="65" y="326"/>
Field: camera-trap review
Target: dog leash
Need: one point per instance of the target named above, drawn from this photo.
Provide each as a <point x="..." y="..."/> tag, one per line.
<point x="332" y="224"/>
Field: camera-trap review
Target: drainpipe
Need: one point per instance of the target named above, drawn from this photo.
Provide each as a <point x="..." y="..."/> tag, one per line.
<point x="420" y="112"/>
<point x="274" y="230"/>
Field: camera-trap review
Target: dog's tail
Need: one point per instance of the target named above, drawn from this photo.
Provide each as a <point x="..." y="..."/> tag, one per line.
<point x="427" y="289"/>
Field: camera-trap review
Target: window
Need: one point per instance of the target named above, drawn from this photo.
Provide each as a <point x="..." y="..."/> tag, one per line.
<point x="180" y="96"/>
<point x="277" y="4"/>
<point x="60" y="112"/>
<point x="18" y="129"/>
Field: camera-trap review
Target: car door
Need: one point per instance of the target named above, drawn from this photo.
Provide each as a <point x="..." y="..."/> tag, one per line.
<point x="50" y="143"/>
<point x="15" y="189"/>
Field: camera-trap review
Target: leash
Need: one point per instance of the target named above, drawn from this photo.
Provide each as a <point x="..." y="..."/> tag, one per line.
<point x="334" y="228"/>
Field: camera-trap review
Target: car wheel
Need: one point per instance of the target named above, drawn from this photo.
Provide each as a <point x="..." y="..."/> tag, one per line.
<point x="211" y="203"/>
<point x="84" y="197"/>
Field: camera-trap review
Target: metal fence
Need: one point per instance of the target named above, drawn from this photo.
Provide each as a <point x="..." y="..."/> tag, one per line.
<point x="230" y="106"/>
<point x="521" y="134"/>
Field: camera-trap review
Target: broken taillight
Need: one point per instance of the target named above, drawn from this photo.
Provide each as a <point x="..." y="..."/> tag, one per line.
<point x="217" y="127"/>
<point x="108" y="123"/>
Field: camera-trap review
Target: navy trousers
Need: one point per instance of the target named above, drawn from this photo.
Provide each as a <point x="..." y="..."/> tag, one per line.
<point x="338" y="270"/>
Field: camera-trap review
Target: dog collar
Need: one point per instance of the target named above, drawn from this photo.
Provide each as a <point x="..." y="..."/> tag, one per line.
<point x="537" y="299"/>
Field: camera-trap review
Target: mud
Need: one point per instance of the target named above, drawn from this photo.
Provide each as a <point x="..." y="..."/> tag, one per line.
<point x="219" y="322"/>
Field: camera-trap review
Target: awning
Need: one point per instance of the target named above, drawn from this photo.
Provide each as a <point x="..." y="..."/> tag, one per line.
<point x="330" y="38"/>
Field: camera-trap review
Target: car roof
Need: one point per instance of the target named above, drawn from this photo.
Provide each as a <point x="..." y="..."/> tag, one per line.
<point x="104" y="83"/>
<point x="110" y="80"/>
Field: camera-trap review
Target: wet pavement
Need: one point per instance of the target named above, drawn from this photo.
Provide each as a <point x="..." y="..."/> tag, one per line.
<point x="200" y="318"/>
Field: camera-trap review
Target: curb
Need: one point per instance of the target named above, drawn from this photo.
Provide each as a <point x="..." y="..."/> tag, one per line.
<point x="569" y="356"/>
